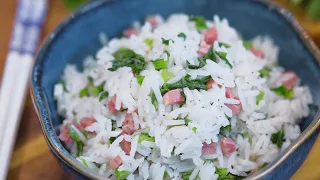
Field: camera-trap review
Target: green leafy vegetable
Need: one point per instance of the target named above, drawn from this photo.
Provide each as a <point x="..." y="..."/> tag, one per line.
<point x="223" y="56"/>
<point x="224" y="44"/>
<point x="145" y="137"/>
<point x="160" y="64"/>
<point x="166" y="75"/>
<point x="148" y="42"/>
<point x="165" y="175"/>
<point x="202" y="60"/>
<point x="186" y="175"/>
<point x="103" y="95"/>
<point x="182" y="35"/>
<point x="84" y="92"/>
<point x="74" y="4"/>
<point x="262" y="166"/>
<point x="283" y="91"/>
<point x="259" y="97"/>
<point x="114" y="125"/>
<point x="84" y="162"/>
<point x="64" y="86"/>
<point x="222" y="171"/>
<point x="122" y="175"/>
<point x="166" y="41"/>
<point x="247" y="44"/>
<point x="74" y="135"/>
<point x="194" y="129"/>
<point x="265" y="72"/>
<point x="225" y="175"/>
<point x="111" y="139"/>
<point x="140" y="79"/>
<point x="277" y="138"/>
<point x="127" y="57"/>
<point x="186" y="82"/>
<point x="154" y="100"/>
<point x="244" y="135"/>
<point x="225" y="131"/>
<point x="200" y="23"/>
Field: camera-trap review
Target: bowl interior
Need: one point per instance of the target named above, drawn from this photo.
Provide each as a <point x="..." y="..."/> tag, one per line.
<point x="78" y="37"/>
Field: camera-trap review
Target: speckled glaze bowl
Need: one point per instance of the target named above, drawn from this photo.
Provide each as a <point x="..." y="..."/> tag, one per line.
<point x="77" y="37"/>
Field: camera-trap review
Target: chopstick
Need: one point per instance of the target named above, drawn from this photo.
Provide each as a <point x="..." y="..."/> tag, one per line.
<point x="29" y="19"/>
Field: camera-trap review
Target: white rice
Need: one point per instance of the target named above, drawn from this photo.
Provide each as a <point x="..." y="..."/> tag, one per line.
<point x="177" y="146"/>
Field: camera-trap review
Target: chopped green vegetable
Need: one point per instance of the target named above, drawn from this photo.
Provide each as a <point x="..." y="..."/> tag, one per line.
<point x="222" y="171"/>
<point x="148" y="42"/>
<point x="202" y="60"/>
<point x="90" y="79"/>
<point x="145" y="137"/>
<point x="283" y="91"/>
<point x="84" y="92"/>
<point x="111" y="139"/>
<point x="154" y="100"/>
<point x="165" y="175"/>
<point x="140" y="79"/>
<point x="85" y="133"/>
<point x="259" y="97"/>
<point x="200" y="23"/>
<point x="74" y="4"/>
<point x="166" y="75"/>
<point x="84" y="162"/>
<point x="224" y="44"/>
<point x="262" y="166"/>
<point x="265" y="72"/>
<point x="74" y="135"/>
<point x="114" y="125"/>
<point x="166" y="41"/>
<point x="95" y="91"/>
<point x="103" y="95"/>
<point x="160" y="64"/>
<point x="186" y="82"/>
<point x="122" y="175"/>
<point x="277" y="138"/>
<point x="186" y="175"/>
<point x="244" y="135"/>
<point x="225" y="175"/>
<point x="225" y="131"/>
<point x="127" y="57"/>
<point x="247" y="44"/>
<point x="182" y="35"/>
<point x="313" y="9"/>
<point x="64" y="86"/>
<point x="194" y="129"/>
<point x="223" y="56"/>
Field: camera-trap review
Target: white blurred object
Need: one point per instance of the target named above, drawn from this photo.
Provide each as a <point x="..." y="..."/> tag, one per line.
<point x="30" y="15"/>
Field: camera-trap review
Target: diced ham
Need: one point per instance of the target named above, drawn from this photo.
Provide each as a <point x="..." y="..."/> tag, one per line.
<point x="126" y="146"/>
<point x="257" y="53"/>
<point x="128" y="124"/>
<point x="210" y="83"/>
<point x="204" y="48"/>
<point x="228" y="146"/>
<point x="112" y="105"/>
<point x="210" y="35"/>
<point x="64" y="135"/>
<point x="115" y="162"/>
<point x="289" y="79"/>
<point x="153" y="20"/>
<point x="236" y="108"/>
<point x="209" y="148"/>
<point x="173" y="97"/>
<point x="87" y="121"/>
<point x="130" y="31"/>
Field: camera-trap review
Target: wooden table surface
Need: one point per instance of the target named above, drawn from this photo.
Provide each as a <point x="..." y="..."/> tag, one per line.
<point x="31" y="157"/>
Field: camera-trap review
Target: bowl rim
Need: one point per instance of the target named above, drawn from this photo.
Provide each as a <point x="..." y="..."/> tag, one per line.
<point x="43" y="112"/>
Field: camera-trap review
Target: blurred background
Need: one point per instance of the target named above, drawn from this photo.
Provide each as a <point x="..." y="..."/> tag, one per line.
<point x="32" y="159"/>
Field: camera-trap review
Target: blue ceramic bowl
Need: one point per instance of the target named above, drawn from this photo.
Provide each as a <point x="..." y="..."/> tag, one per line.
<point x="77" y="37"/>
